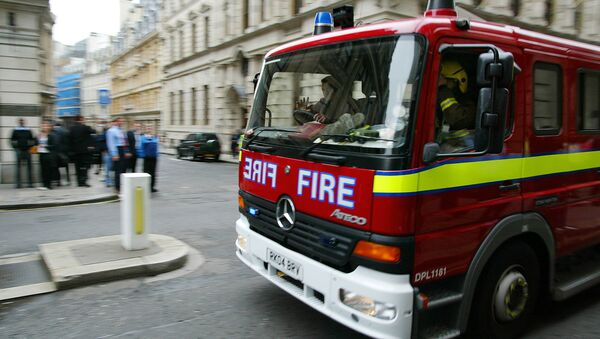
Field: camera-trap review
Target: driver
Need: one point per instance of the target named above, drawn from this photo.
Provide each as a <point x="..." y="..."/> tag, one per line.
<point x="456" y="114"/>
<point x="329" y="108"/>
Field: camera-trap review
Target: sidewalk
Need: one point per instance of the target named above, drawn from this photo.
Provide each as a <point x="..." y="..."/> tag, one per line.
<point x="24" y="198"/>
<point x="75" y="263"/>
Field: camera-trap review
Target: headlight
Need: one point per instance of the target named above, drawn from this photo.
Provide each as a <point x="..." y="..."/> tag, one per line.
<point x="367" y="305"/>
<point x="242" y="242"/>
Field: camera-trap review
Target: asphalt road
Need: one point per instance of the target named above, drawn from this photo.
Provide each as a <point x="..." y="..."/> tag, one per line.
<point x="215" y="297"/>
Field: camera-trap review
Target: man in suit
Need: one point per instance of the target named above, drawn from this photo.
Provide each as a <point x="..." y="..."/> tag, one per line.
<point x="22" y="140"/>
<point x="118" y="149"/>
<point x="81" y="142"/>
<point x="134" y="140"/>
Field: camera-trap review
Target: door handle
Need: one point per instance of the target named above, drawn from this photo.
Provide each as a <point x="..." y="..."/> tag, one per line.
<point x="510" y="187"/>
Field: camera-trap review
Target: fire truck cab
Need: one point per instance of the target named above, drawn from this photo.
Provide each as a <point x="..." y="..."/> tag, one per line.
<point x="426" y="177"/>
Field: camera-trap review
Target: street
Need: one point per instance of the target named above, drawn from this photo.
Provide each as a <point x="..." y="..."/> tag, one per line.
<point x="214" y="296"/>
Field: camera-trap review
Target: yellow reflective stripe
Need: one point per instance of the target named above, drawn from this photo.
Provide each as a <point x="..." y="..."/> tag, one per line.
<point x="139" y="210"/>
<point x="471" y="173"/>
<point x="396" y="183"/>
<point x="447" y="103"/>
<point x="560" y="163"/>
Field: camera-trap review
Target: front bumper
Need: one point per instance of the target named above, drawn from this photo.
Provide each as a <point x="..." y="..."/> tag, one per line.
<point x="319" y="286"/>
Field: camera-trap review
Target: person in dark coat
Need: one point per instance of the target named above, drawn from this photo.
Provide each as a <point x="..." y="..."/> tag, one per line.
<point x="22" y="140"/>
<point x="46" y="150"/>
<point x="134" y="140"/>
<point x="61" y="136"/>
<point x="81" y="144"/>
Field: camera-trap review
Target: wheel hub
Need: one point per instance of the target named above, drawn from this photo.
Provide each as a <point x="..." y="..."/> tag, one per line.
<point x="511" y="295"/>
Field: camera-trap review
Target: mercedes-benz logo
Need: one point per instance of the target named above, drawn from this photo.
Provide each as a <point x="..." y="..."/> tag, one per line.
<point x="285" y="213"/>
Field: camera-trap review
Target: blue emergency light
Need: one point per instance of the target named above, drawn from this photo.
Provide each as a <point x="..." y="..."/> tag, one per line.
<point x="323" y="23"/>
<point x="253" y="211"/>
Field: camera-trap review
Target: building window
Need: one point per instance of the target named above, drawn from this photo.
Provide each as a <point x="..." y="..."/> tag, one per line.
<point x="297" y="5"/>
<point x="206" y="105"/>
<point x="172" y="49"/>
<point x="181" y="107"/>
<point x="515" y="6"/>
<point x="206" y="32"/>
<point x="245" y="15"/>
<point x="194" y="38"/>
<point x="172" y="107"/>
<point x="12" y="19"/>
<point x="194" y="117"/>
<point x="181" y="44"/>
<point x="547" y="98"/>
<point x="578" y="21"/>
<point x="227" y="18"/>
<point x="589" y="101"/>
<point x="549" y="15"/>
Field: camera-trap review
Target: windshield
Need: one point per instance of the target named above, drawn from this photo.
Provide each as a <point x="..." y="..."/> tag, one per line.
<point x="356" y="96"/>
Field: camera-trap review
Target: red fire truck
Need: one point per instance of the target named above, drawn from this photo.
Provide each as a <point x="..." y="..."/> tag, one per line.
<point x="426" y="177"/>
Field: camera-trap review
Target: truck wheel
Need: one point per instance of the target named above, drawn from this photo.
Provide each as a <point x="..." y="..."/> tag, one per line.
<point x="506" y="293"/>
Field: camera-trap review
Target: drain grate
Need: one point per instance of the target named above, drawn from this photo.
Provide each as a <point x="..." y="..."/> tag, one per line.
<point x="23" y="273"/>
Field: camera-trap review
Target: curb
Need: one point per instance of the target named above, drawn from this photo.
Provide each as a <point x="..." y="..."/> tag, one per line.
<point x="96" y="199"/>
<point x="67" y="272"/>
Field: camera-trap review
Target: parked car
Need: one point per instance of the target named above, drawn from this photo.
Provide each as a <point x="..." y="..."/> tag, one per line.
<point x="200" y="146"/>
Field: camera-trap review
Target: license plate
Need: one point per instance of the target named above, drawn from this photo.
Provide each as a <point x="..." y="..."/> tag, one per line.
<point x="285" y="265"/>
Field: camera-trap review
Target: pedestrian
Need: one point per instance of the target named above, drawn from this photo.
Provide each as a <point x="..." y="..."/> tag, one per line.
<point x="22" y="141"/>
<point x="62" y="152"/>
<point x="149" y="151"/>
<point x="235" y="140"/>
<point x="46" y="144"/>
<point x="133" y="139"/>
<point x="106" y="158"/>
<point x="118" y="148"/>
<point x="81" y="145"/>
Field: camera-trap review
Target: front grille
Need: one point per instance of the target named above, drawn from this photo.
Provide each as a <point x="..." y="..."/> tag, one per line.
<point x="323" y="241"/>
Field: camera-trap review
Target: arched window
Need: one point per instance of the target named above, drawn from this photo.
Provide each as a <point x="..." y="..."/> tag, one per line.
<point x="515" y="6"/>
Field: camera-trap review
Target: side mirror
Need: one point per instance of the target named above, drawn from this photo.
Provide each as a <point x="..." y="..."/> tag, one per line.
<point x="490" y="121"/>
<point x="503" y="70"/>
<point x="430" y="152"/>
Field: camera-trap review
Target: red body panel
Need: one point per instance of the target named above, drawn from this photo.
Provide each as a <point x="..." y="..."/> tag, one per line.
<point x="307" y="202"/>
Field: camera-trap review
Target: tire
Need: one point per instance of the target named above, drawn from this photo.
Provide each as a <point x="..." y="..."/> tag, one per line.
<point x="513" y="272"/>
<point x="217" y="157"/>
<point x="178" y="155"/>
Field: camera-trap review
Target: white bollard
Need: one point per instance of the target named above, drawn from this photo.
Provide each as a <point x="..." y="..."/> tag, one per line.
<point x="135" y="207"/>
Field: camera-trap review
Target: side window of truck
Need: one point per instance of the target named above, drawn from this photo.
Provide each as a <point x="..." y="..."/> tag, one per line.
<point x="589" y="101"/>
<point x="547" y="98"/>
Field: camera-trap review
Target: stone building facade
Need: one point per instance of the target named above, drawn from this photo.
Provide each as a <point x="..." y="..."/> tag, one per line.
<point x="136" y="78"/>
<point x="136" y="82"/>
<point x="26" y="79"/>
<point x="212" y="49"/>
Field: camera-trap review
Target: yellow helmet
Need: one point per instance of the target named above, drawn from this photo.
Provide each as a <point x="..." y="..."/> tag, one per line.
<point x="453" y="70"/>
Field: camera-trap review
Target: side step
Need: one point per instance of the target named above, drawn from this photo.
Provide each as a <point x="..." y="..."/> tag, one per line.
<point x="435" y="310"/>
<point x="576" y="279"/>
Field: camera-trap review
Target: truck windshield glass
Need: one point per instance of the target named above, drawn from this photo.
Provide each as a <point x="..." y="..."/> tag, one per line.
<point x="363" y="88"/>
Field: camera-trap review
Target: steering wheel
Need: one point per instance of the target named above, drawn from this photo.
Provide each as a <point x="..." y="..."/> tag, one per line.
<point x="303" y="116"/>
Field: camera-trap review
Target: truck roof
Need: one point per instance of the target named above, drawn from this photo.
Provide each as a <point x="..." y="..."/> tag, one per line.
<point x="431" y="26"/>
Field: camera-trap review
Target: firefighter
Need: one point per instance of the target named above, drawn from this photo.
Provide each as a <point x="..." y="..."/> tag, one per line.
<point x="455" y="111"/>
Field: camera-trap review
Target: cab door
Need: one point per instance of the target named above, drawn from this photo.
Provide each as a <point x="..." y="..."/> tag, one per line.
<point x="461" y="198"/>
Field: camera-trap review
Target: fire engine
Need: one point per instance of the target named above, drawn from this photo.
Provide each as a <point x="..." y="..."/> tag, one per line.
<point x="427" y="177"/>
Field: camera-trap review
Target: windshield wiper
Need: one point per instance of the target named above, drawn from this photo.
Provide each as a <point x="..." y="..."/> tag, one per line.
<point x="347" y="137"/>
<point x="266" y="129"/>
